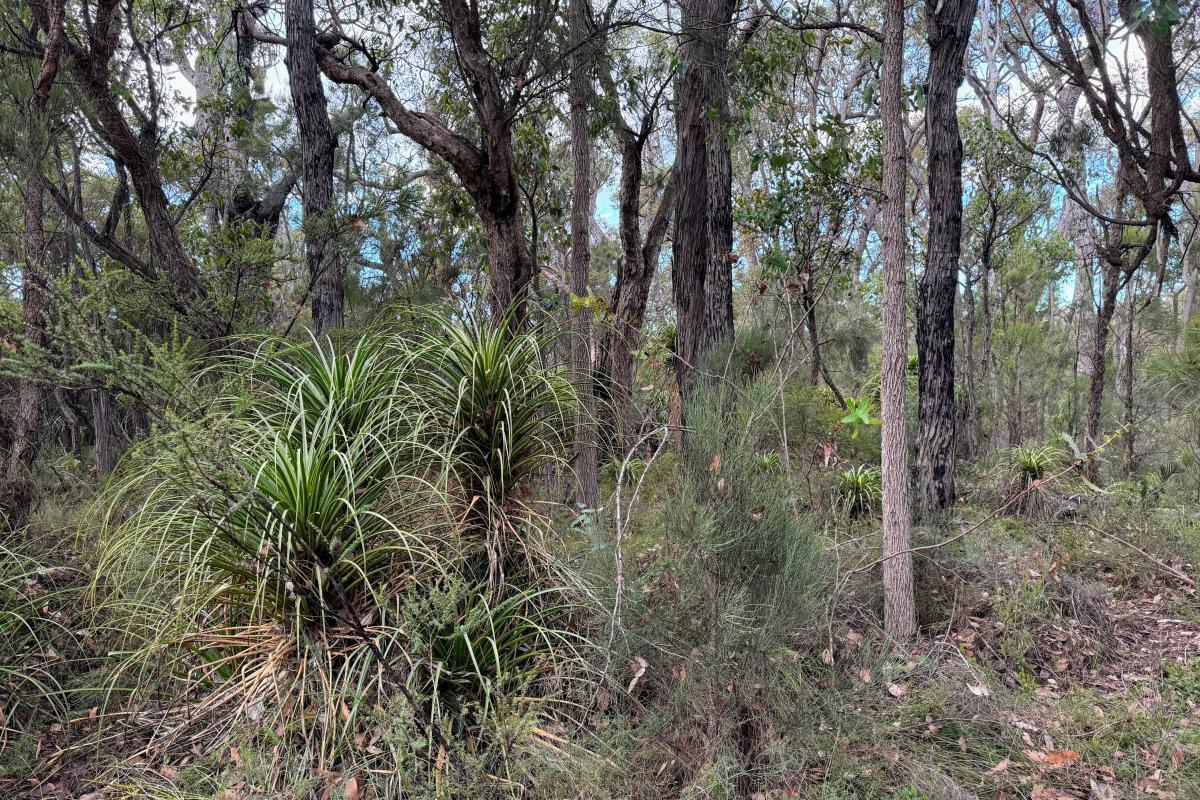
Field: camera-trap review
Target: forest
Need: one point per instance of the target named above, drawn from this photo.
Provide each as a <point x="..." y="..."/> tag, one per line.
<point x="599" y="399"/>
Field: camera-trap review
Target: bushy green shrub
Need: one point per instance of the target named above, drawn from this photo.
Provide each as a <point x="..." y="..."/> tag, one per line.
<point x="713" y="621"/>
<point x="308" y="552"/>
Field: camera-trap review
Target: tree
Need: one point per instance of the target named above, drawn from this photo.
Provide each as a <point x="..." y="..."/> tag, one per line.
<point x="496" y="89"/>
<point x="899" y="603"/>
<point x="326" y="277"/>
<point x="579" y="90"/>
<point x="702" y="270"/>
<point x="109" y="109"/>
<point x="640" y="253"/>
<point x="35" y="296"/>
<point x="948" y="24"/>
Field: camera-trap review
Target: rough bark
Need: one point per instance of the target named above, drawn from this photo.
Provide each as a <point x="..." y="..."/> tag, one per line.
<point x="635" y="272"/>
<point x="579" y="90"/>
<point x="35" y="298"/>
<point x="138" y="153"/>
<point x="487" y="171"/>
<point x="949" y="26"/>
<point x="701" y="273"/>
<point x="899" y="603"/>
<point x="107" y="443"/>
<point x="326" y="276"/>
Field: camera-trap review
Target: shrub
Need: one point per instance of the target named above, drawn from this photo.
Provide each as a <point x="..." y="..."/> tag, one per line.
<point x="300" y="567"/>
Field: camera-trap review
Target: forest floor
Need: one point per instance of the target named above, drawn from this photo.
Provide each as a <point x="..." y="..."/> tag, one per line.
<point x="1056" y="662"/>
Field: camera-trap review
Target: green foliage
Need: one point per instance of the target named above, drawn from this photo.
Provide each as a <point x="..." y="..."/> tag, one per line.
<point x="860" y="413"/>
<point x="734" y="585"/>
<point x="1026" y="468"/>
<point x="496" y="410"/>
<point x="858" y="490"/>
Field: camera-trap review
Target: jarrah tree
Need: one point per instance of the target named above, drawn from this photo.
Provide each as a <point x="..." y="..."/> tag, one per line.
<point x="702" y="270"/>
<point x="899" y="605"/>
<point x="326" y="277"/>
<point x="948" y="24"/>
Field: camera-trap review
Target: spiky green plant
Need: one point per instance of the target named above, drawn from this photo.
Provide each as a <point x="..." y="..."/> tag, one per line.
<point x="272" y="558"/>
<point x="498" y="411"/>
<point x="263" y="548"/>
<point x="1026" y="468"/>
<point x="858" y="490"/>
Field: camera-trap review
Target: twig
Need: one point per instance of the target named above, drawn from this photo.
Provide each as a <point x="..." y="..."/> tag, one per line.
<point x="1157" y="562"/>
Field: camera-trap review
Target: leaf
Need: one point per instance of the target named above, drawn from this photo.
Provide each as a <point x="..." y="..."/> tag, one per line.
<point x="979" y="691"/>
<point x="1003" y="765"/>
<point x="351" y="789"/>
<point x="1055" y="758"/>
<point x="637" y="668"/>
<point x="827" y="656"/>
<point x="1059" y="758"/>
<point x="897" y="689"/>
<point x="865" y="675"/>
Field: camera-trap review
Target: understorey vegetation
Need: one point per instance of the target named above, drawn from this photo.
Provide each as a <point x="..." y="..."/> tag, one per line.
<point x="554" y="400"/>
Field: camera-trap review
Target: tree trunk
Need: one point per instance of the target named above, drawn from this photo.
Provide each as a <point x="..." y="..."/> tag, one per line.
<point x="899" y="602"/>
<point x="105" y="429"/>
<point x="949" y="27"/>
<point x="1104" y="316"/>
<point x="809" y="299"/>
<point x="973" y="374"/>
<point x="586" y="489"/>
<point x="35" y="299"/>
<point x="701" y="272"/>
<point x="635" y="272"/>
<point x="326" y="279"/>
<point x="1127" y="365"/>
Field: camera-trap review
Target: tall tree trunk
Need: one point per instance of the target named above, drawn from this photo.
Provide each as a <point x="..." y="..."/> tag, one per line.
<point x="949" y="27"/>
<point x="586" y="489"/>
<point x="973" y="373"/>
<point x="809" y="299"/>
<point x="1190" y="260"/>
<point x="702" y="270"/>
<point x="1127" y="372"/>
<point x="35" y="299"/>
<point x="1099" y="362"/>
<point x="635" y="272"/>
<point x="326" y="279"/>
<point x="899" y="602"/>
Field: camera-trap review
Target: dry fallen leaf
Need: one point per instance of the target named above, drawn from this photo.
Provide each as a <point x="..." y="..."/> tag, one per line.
<point x="351" y="790"/>
<point x="865" y="674"/>
<point x="637" y="668"/>
<point x="897" y="689"/>
<point x="979" y="691"/>
<point x="1003" y="765"/>
<point x="827" y="656"/>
